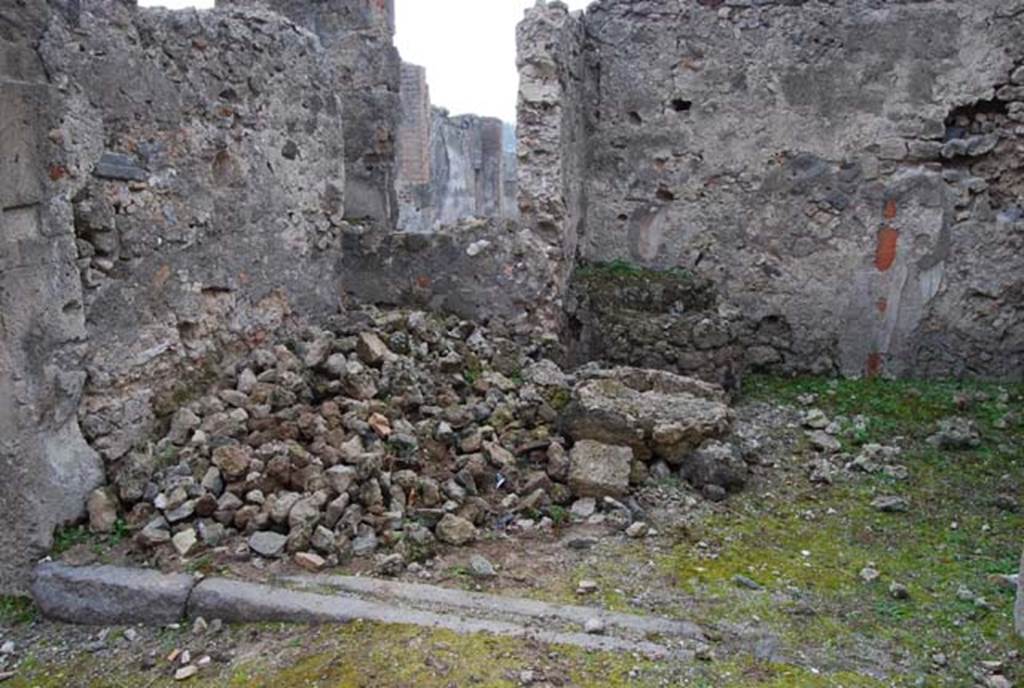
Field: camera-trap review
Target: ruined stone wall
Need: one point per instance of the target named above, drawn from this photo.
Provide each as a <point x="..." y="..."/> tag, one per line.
<point x="414" y="128"/>
<point x="173" y="184"/>
<point x="467" y="168"/>
<point x="550" y="141"/>
<point x="847" y="175"/>
<point x="477" y="268"/>
<point x="358" y="39"/>
<point x="47" y="466"/>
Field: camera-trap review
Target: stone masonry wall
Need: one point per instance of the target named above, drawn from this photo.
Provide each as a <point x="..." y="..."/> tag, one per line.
<point x="173" y="185"/>
<point x="358" y="40"/>
<point x="550" y="140"/>
<point x="47" y="466"/>
<point x="847" y="174"/>
<point x="207" y="194"/>
<point x="414" y="128"/>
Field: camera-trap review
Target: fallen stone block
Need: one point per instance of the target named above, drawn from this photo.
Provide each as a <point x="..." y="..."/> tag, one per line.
<point x="656" y="413"/>
<point x="599" y="470"/>
<point x="104" y="595"/>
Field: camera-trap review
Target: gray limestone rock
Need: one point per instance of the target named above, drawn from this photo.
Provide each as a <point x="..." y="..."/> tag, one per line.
<point x="716" y="463"/>
<point x="455" y="530"/>
<point x="891" y="504"/>
<point x="599" y="470"/>
<point x="657" y="414"/>
<point x="108" y="595"/>
<point x="119" y="167"/>
<point x="102" y="507"/>
<point x="956" y="433"/>
<point x="268" y="544"/>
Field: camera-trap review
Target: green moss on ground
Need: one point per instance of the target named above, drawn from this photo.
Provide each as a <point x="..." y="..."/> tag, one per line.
<point x="15" y="610"/>
<point x="361" y="655"/>
<point x="812" y="541"/>
<point x="899" y="407"/>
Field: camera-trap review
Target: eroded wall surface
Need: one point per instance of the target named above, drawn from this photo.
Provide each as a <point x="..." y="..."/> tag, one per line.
<point x="173" y="186"/>
<point x="847" y="174"/>
<point x="358" y="40"/>
<point x="550" y="130"/>
<point x="47" y="466"/>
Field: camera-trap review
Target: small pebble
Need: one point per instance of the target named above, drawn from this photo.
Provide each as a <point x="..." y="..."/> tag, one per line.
<point x="637" y="530"/>
<point x="594" y="626"/>
<point x="481" y="567"/>
<point x="747" y="583"/>
<point x="898" y="591"/>
<point x="869" y="574"/>
<point x="185" y="673"/>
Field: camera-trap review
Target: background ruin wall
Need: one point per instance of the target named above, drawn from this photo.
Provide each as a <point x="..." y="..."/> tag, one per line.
<point x="847" y="175"/>
<point x="449" y="167"/>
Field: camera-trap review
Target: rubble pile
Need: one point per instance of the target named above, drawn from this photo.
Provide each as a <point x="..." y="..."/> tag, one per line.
<point x="396" y="430"/>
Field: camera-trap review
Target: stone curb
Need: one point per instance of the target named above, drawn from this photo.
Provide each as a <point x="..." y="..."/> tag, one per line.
<point x="522" y="609"/>
<point x="238" y="602"/>
<point x="109" y="595"/>
<point x="101" y="595"/>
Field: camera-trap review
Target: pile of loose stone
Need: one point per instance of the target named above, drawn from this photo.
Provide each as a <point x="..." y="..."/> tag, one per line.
<point x="395" y="429"/>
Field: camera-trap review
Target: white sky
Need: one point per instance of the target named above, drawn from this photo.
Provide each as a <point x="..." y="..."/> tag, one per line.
<point x="467" y="46"/>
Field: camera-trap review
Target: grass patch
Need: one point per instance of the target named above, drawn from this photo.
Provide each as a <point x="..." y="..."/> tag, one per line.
<point x="896" y="407"/>
<point x="367" y="654"/>
<point x="16" y="610"/>
<point x="807" y="544"/>
<point x="71" y="536"/>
